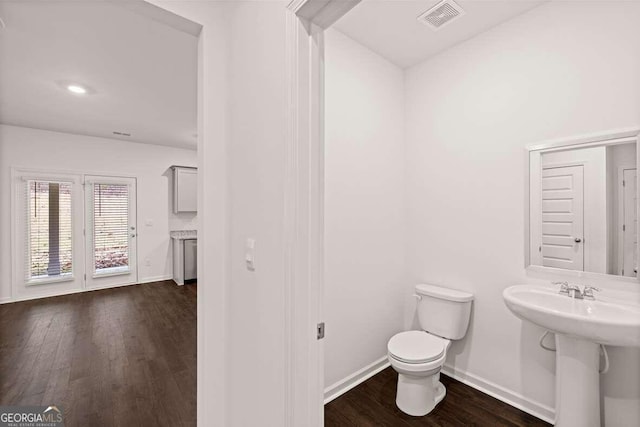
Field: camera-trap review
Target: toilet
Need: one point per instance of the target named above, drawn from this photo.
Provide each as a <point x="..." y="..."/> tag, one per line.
<point x="418" y="356"/>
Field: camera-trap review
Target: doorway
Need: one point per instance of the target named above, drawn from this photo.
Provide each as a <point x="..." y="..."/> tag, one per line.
<point x="110" y="231"/>
<point x="77" y="239"/>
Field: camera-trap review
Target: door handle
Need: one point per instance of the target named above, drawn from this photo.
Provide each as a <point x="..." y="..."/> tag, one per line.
<point x="578" y="240"/>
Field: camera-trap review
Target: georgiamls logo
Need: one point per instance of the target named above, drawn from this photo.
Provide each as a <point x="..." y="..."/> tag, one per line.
<point x="34" y="416"/>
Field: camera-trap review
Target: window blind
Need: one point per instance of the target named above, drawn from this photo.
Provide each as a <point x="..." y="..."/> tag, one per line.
<point x="110" y="216"/>
<point x="49" y="240"/>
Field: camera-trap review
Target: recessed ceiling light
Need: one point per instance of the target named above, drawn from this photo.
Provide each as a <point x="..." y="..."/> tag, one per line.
<point x="79" y="90"/>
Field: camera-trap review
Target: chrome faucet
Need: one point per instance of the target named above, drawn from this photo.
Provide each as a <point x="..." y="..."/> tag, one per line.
<point x="573" y="291"/>
<point x="587" y="292"/>
<point x="564" y="287"/>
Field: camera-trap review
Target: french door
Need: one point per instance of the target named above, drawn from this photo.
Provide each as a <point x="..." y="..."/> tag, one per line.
<point x="110" y="231"/>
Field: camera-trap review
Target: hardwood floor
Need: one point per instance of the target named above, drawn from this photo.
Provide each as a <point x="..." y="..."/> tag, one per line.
<point x="127" y="357"/>
<point x="372" y="403"/>
<point x="117" y="357"/>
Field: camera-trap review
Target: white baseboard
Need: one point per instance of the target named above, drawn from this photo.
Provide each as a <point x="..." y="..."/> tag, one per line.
<point x="503" y="394"/>
<point x="155" y="279"/>
<point x="8" y="300"/>
<point x="358" y="377"/>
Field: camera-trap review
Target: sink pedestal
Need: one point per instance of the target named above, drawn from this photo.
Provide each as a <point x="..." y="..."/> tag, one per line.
<point x="577" y="382"/>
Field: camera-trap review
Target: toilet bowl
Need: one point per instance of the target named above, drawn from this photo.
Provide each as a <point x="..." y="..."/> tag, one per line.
<point x="418" y="356"/>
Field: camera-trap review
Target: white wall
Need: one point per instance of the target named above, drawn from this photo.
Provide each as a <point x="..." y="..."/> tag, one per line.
<point x="213" y="195"/>
<point x="54" y="151"/>
<point x="241" y="151"/>
<point x="364" y="205"/>
<point x="560" y="70"/>
<point x="258" y="125"/>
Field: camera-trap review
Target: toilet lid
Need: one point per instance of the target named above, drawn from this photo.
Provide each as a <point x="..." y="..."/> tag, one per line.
<point x="416" y="347"/>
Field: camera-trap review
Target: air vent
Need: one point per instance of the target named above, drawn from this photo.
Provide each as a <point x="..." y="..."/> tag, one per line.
<point x="441" y="14"/>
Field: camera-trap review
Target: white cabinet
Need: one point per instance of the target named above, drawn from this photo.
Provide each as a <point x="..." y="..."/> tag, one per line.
<point x="185" y="189"/>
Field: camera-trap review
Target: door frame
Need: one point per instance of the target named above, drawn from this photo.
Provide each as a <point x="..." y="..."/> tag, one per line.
<point x="620" y="219"/>
<point x="18" y="228"/>
<point x="133" y="274"/>
<point x="304" y="207"/>
<point x="79" y="206"/>
<point x="303" y="212"/>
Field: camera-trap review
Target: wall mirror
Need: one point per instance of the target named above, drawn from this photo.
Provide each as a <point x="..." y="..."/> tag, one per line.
<point x="583" y="205"/>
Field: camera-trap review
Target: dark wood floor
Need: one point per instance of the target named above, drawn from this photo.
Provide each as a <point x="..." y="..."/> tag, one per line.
<point x="372" y="403"/>
<point x="118" y="357"/>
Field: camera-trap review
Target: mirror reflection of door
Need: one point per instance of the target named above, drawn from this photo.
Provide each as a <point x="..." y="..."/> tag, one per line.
<point x="629" y="224"/>
<point x="563" y="217"/>
<point x="583" y="207"/>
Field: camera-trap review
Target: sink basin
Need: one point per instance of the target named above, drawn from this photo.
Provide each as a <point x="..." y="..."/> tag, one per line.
<point x="609" y="323"/>
<point x="581" y="327"/>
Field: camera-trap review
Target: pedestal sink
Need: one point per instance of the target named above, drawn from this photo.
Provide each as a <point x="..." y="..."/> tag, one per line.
<point x="580" y="326"/>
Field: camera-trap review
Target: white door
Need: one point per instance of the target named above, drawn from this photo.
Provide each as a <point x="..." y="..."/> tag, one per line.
<point x="110" y="231"/>
<point x="562" y="243"/>
<point x="630" y="224"/>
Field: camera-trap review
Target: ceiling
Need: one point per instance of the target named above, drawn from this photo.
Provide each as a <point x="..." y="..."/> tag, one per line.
<point x="390" y="27"/>
<point x="138" y="62"/>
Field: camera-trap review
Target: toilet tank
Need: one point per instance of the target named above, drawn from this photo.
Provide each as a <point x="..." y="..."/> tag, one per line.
<point x="442" y="311"/>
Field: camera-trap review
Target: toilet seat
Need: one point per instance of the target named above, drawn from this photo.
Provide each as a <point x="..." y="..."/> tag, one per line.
<point x="416" y="347"/>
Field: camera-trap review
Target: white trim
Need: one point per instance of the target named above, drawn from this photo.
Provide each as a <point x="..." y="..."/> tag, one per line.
<point x="92" y="277"/>
<point x="121" y="272"/>
<point x="8" y="300"/>
<point x="161" y="15"/>
<point x="65" y="173"/>
<point x="302" y="351"/>
<point x="501" y="393"/>
<point x="322" y="13"/>
<point x="600" y="138"/>
<point x="620" y="220"/>
<point x="303" y="233"/>
<point x="156" y="279"/>
<point x="47" y="280"/>
<point x="341" y="387"/>
<point x="17" y="227"/>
